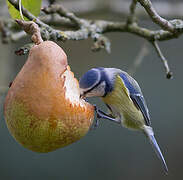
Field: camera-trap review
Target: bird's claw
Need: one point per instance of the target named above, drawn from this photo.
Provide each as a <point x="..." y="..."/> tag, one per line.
<point x="95" y="125"/>
<point x="98" y="117"/>
<point x="97" y="112"/>
<point x="100" y="114"/>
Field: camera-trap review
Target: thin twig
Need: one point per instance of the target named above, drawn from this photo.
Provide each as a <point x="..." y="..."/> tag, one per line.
<point x="163" y="23"/>
<point x="55" y="8"/>
<point x="169" y="74"/>
<point x="139" y="59"/>
<point x="131" y="18"/>
<point x="57" y="21"/>
<point x="121" y="7"/>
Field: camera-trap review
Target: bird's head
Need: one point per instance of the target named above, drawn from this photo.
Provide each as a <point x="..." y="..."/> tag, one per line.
<point x="91" y="84"/>
<point x="97" y="82"/>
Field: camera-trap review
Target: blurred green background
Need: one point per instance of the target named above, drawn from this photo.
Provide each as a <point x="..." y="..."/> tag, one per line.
<point x="110" y="152"/>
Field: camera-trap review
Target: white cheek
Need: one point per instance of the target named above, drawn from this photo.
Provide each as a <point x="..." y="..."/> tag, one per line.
<point x="81" y="91"/>
<point x="95" y="93"/>
<point x="99" y="91"/>
<point x="91" y="94"/>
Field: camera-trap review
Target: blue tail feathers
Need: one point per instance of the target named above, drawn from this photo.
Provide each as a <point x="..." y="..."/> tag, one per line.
<point x="149" y="132"/>
<point x="158" y="152"/>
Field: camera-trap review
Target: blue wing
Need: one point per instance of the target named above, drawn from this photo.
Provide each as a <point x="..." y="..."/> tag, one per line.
<point x="136" y="96"/>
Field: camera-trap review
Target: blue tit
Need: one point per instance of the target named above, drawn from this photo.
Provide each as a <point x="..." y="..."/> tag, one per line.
<point x="123" y="97"/>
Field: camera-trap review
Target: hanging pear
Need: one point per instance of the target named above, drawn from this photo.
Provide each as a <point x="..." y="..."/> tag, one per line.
<point x="43" y="109"/>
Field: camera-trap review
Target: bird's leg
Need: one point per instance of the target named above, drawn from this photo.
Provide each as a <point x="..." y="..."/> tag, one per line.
<point x="96" y="123"/>
<point x="101" y="114"/>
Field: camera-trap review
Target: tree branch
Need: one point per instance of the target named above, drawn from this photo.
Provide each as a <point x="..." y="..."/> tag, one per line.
<point x="63" y="12"/>
<point x="99" y="26"/>
<point x="121" y="7"/>
<point x="169" y="74"/>
<point x="131" y="18"/>
<point x="163" y="23"/>
<point x="95" y="29"/>
<point x="57" y="21"/>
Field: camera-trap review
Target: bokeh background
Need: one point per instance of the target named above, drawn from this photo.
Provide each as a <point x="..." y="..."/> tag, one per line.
<point x="110" y="152"/>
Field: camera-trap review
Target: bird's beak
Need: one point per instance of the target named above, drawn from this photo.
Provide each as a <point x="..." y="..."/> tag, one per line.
<point x="82" y="96"/>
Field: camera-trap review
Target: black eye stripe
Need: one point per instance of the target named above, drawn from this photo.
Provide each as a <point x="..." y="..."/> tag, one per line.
<point x="89" y="90"/>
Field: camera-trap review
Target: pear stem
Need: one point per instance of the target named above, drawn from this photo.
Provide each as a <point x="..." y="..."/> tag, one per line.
<point x="30" y="27"/>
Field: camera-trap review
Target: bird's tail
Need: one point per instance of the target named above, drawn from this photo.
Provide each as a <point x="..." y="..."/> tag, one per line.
<point x="150" y="134"/>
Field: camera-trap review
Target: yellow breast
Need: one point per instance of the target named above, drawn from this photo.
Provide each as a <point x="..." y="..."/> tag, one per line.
<point x="120" y="101"/>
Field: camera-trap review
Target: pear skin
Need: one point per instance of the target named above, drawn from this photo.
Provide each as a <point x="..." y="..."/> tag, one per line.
<point x="43" y="109"/>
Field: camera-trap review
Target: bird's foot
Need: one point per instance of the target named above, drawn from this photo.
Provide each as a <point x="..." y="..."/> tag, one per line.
<point x="100" y="114"/>
<point x="96" y="124"/>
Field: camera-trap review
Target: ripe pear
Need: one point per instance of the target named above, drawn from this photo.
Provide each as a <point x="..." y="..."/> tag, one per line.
<point x="43" y="109"/>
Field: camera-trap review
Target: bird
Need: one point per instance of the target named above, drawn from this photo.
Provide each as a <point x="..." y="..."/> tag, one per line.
<point x="123" y="97"/>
